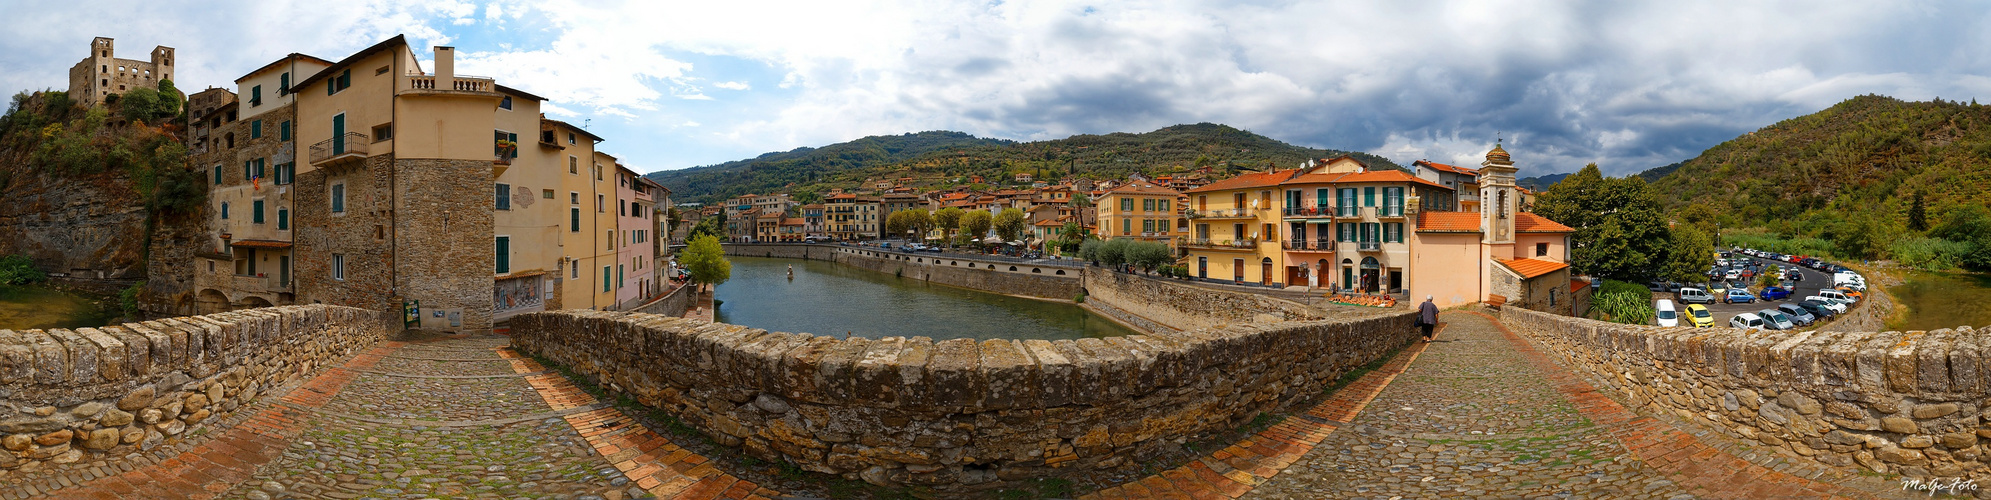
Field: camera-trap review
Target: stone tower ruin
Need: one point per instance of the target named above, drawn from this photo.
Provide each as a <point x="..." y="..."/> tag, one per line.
<point x="101" y="73"/>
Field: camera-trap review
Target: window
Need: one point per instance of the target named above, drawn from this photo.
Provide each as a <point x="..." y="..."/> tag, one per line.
<point x="256" y="129"/>
<point x="283" y="84"/>
<point x="504" y="254"/>
<point x="224" y="210"/>
<point x="501" y="150"/>
<point x="505" y="104"/>
<point x="1126" y="204"/>
<point x="1148" y="204"/>
<point x="504" y="196"/>
<point x="383" y="132"/>
<point x="286" y="173"/>
<point x="570" y="137"/>
<point x="635" y="209"/>
<point x="1147" y="225"/>
<point x="217" y="175"/>
<point x="380" y="71"/>
<point x="339" y="267"/>
<point x="1369" y="196"/>
<point x="1541" y="249"/>
<point x="604" y="279"/>
<point x="256" y="212"/>
<point x="339" y="198"/>
<point x="621" y="210"/>
<point x="1126" y="225"/>
<point x="255" y="96"/>
<point x="1268" y="232"/>
<point x="573" y="164"/>
<point x="283" y="130"/>
<point x="601" y="204"/>
<point x="618" y="275"/>
<point x="253" y="169"/>
<point x="576" y="267"/>
<point x="546" y="193"/>
<point x="1237" y="200"/>
<point x="610" y="238"/>
<point x="574" y="220"/>
<point x="283" y="219"/>
<point x="337" y="83"/>
<point x="573" y="197"/>
<point x="1162" y="205"/>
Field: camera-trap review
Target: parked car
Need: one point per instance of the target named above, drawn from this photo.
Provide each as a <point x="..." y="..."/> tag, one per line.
<point x="1731" y="274"/>
<point x="1817" y="309"/>
<point x="1700" y="316"/>
<point x="1774" y="293"/>
<point x="1775" y="320"/>
<point x="1738" y="295"/>
<point x="1664" y="313"/>
<point x="1798" y="314"/>
<point x="1695" y="296"/>
<point x="1746" y="321"/>
<point x="1835" y="306"/>
<point x="1835" y="294"/>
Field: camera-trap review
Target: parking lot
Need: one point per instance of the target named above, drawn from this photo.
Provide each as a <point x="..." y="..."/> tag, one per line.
<point x="1813" y="281"/>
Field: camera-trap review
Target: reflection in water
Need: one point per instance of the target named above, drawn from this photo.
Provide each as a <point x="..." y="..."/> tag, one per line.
<point x="826" y="298"/>
<point x="31" y="307"/>
<point x="1943" y="300"/>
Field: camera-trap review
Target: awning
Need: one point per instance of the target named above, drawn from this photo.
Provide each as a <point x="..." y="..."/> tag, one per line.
<point x="260" y="244"/>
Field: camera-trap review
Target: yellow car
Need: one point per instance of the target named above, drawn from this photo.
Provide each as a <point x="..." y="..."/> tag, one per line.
<point x="1700" y="316"/>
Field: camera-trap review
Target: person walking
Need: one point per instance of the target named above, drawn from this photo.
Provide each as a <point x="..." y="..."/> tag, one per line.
<point x="1427" y="317"/>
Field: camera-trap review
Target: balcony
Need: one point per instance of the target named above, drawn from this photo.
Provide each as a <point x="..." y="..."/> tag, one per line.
<point x="1244" y="245"/>
<point x="351" y="146"/>
<point x="460" y="83"/>
<point x="1302" y="212"/>
<point x="1315" y="245"/>
<point x="1348" y="211"/>
<point x="1370" y="246"/>
<point x="1394" y="210"/>
<point x="1222" y="213"/>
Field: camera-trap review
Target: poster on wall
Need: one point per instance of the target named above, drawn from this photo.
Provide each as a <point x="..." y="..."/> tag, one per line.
<point x="517" y="293"/>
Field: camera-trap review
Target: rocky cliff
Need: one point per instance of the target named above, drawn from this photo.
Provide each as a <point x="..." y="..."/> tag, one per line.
<point x="90" y="229"/>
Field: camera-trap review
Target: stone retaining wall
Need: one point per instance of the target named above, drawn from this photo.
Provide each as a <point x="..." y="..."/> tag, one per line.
<point x="956" y="414"/>
<point x="1184" y="306"/>
<point x="988" y="275"/>
<point x="1868" y="315"/>
<point x="1912" y="403"/>
<point x="672" y="304"/>
<point x="104" y="394"/>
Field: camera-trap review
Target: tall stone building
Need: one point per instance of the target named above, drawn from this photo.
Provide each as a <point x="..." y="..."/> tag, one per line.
<point x="102" y="73"/>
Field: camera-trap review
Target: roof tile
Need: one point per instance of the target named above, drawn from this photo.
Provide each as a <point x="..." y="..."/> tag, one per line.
<point x="1530" y="268"/>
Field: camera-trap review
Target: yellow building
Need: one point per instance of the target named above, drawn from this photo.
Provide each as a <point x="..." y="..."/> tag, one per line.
<point x="1234" y="229"/>
<point x="1141" y="210"/>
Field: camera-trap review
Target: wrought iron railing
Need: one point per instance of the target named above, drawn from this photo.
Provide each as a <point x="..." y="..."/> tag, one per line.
<point x="350" y="143"/>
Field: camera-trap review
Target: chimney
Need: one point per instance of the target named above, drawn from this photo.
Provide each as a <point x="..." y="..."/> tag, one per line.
<point x="445" y="68"/>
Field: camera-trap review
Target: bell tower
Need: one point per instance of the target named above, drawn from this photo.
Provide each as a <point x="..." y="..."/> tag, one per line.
<point x="1498" y="198"/>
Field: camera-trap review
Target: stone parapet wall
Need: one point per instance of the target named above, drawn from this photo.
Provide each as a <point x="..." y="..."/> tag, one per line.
<point x="1183" y="306"/>
<point x="956" y="414"/>
<point x="1910" y="403"/>
<point x="988" y="275"/>
<point x="104" y="394"/>
<point x="674" y="303"/>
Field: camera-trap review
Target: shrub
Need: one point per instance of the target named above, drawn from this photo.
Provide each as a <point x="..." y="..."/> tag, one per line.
<point x="1624" y="302"/>
<point x="128" y="299"/>
<point x="19" y="270"/>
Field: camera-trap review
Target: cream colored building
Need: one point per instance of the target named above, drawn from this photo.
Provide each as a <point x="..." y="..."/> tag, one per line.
<point x="1141" y="210"/>
<point x="1234" y="229"/>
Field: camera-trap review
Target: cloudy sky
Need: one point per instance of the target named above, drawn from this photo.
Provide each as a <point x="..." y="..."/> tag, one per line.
<point x="676" y="84"/>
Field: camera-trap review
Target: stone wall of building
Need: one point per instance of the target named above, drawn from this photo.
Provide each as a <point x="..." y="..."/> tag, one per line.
<point x="1183" y="306"/>
<point x="988" y="275"/>
<point x="1910" y="403"/>
<point x="443" y="232"/>
<point x="956" y="414"/>
<point x="361" y="235"/>
<point x="103" y="394"/>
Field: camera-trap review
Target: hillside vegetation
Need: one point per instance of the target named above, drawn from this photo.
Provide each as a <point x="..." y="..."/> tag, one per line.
<point x="1874" y="176"/>
<point x="938" y="158"/>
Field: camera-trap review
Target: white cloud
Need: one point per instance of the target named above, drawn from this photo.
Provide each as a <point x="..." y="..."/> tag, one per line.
<point x="733" y="85"/>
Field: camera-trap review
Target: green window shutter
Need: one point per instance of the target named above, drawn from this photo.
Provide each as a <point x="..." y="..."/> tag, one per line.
<point x="256" y="211"/>
<point x="618" y="275"/>
<point x="1320" y="197"/>
<point x="283" y="218"/>
<point x="605" y="283"/>
<point x="256" y="129"/>
<point x="1126" y="226"/>
<point x="217" y="175"/>
<point x="338" y="198"/>
<point x="1369" y="196"/>
<point x="574" y="222"/>
<point x="224" y="210"/>
<point x="283" y="131"/>
<point x="255" y="95"/>
<point x="504" y="197"/>
<point x="283" y="84"/>
<point x="504" y="254"/>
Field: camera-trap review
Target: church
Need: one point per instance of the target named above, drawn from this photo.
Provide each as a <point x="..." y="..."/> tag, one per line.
<point x="1499" y="250"/>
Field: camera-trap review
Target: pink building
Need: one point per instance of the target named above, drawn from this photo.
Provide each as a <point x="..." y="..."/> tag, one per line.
<point x="635" y="228"/>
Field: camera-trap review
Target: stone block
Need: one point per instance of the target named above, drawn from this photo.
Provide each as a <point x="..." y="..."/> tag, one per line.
<point x="17" y="358"/>
<point x="111" y="354"/>
<point x="876" y="380"/>
<point x="83" y="367"/>
<point x="1932" y="356"/>
<point x="1900" y="425"/>
<point x="1057" y="373"/>
<point x="836" y="371"/>
<point x="1838" y="363"/>
<point x="1871" y="362"/>
<point x="1934" y="410"/>
<point x="1011" y="375"/>
<point x="954" y="375"/>
<point x="1901" y="365"/>
<point x="138" y="350"/>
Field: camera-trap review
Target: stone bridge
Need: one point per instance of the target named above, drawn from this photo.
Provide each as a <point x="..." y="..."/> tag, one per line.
<point x="327" y="402"/>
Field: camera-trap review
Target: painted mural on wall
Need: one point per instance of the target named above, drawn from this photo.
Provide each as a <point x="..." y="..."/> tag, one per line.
<point x="518" y="293"/>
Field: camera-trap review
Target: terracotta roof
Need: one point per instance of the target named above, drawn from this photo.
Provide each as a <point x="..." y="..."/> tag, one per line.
<point x="1449" y="222"/>
<point x="1388" y="176"/>
<point x="1050" y="223"/>
<point x="1530" y="268"/>
<point x="260" y="244"/>
<point x="1575" y="285"/>
<point x="1447" y="168"/>
<point x="1140" y="187"/>
<point x="1247" y="181"/>
<point x="1525" y="222"/>
<point x="1499" y="156"/>
<point x="793" y="221"/>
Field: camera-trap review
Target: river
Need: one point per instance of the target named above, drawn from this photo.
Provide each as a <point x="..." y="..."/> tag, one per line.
<point x="1942" y="300"/>
<point x="31" y="307"/>
<point x="827" y="298"/>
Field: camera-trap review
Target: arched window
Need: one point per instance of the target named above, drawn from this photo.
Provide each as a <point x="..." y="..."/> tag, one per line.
<point x="1503" y="204"/>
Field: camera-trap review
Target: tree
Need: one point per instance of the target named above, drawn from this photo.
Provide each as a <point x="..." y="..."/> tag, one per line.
<point x="1010" y="224"/>
<point x="1113" y="252"/>
<point x="714" y="226"/>
<point x="896" y="223"/>
<point x="1971" y="224"/>
<point x="1081" y="200"/>
<point x="1918" y="218"/>
<point x="1148" y="255"/>
<point x="706" y="261"/>
<point x="949" y="220"/>
<point x="1702" y="216"/>
<point x="1620" y="230"/>
<point x="919" y="221"/>
<point x="1690" y="254"/>
<point x="975" y="224"/>
<point x="1862" y="235"/>
<point x="1071" y="236"/>
<point x="1089" y="250"/>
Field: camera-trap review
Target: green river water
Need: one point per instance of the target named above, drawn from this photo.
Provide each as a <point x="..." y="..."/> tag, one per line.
<point x="826" y="298"/>
<point x="1943" y="300"/>
<point x="30" y="307"/>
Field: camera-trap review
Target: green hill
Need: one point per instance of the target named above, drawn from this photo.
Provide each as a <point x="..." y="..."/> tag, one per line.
<point x="938" y="158"/>
<point x="1849" y="174"/>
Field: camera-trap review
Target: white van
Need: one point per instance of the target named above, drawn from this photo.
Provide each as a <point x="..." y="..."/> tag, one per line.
<point x="1664" y="313"/>
<point x="1695" y="296"/>
<point x="1835" y="295"/>
<point x="1746" y="321"/>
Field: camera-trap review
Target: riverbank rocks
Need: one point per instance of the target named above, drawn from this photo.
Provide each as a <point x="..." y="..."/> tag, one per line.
<point x="959" y="414"/>
<point x="1910" y="403"/>
<point x="93" y="396"/>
